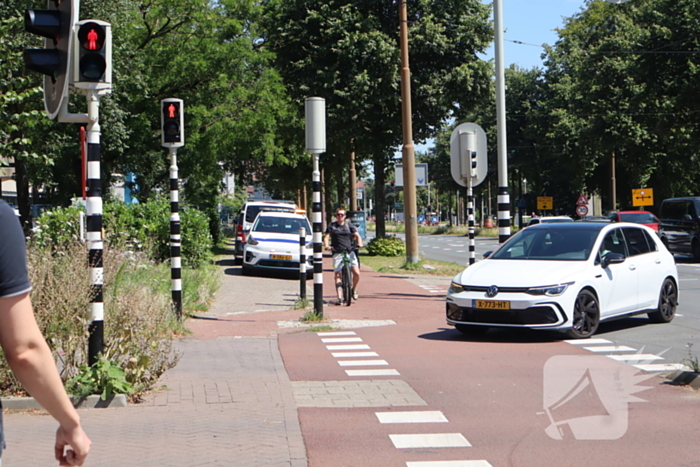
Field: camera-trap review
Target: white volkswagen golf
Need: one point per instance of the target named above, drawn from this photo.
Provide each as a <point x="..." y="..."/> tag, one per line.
<point x="273" y="243"/>
<point x="567" y="276"/>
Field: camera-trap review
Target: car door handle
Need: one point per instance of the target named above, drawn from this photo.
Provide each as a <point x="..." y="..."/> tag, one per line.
<point x="633" y="267"/>
<point x="657" y="261"/>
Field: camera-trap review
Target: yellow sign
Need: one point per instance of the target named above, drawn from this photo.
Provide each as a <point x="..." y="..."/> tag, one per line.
<point x="643" y="197"/>
<point x="545" y="203"/>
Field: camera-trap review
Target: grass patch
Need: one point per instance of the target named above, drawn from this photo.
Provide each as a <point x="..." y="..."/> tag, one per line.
<point x="444" y="229"/>
<point x="311" y="317"/>
<point x="325" y="327"/>
<point x="398" y="265"/>
<point x="301" y="304"/>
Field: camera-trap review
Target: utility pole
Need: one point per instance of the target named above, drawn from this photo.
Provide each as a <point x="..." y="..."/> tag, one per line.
<point x="409" y="161"/>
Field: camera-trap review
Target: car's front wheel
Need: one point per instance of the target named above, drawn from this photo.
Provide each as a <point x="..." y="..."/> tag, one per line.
<point x="586" y="316"/>
<point x="668" y="301"/>
<point x="470" y="330"/>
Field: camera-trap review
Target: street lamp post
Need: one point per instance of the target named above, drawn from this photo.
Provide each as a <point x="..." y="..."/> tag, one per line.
<point x="503" y="196"/>
<point x="409" y="169"/>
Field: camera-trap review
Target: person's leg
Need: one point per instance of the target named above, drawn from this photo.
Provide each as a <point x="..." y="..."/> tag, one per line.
<point x="337" y="267"/>
<point x="355" y="275"/>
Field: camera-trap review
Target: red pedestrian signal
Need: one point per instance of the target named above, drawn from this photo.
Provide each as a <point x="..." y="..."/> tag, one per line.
<point x="172" y="123"/>
<point x="93" y="67"/>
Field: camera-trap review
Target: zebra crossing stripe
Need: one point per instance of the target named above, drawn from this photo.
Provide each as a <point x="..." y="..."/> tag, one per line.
<point x="425" y="416"/>
<point x="588" y="341"/>
<point x="611" y="348"/>
<point x="430" y="440"/>
<point x="348" y="347"/>
<point x="336" y="333"/>
<point x="654" y="367"/>
<point x="479" y="463"/>
<point x="387" y="372"/>
<point x="354" y="354"/>
<point x="362" y="362"/>
<point x="636" y="356"/>
<point x="331" y="340"/>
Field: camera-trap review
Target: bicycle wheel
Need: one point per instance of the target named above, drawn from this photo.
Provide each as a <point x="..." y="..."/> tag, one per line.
<point x="347" y="284"/>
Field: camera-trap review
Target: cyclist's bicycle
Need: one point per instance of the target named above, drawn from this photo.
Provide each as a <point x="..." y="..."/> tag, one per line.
<point x="346" y="279"/>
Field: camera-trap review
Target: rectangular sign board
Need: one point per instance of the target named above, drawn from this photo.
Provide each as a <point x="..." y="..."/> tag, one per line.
<point x="643" y="197"/>
<point x="421" y="174"/>
<point x="545" y="203"/>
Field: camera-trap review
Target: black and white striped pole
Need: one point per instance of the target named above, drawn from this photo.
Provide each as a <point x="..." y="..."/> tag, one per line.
<point x="94" y="229"/>
<point x="315" y="111"/>
<point x="302" y="263"/>
<point x="173" y="137"/>
<point x="503" y="196"/>
<point x="469" y="167"/>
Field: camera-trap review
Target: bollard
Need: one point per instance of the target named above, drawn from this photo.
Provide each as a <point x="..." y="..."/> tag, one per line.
<point x="302" y="263"/>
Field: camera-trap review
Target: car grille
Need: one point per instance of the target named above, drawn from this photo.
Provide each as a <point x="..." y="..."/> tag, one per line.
<point x="476" y="288"/>
<point x="529" y="316"/>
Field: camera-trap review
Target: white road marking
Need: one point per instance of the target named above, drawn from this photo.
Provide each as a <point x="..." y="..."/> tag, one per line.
<point x="430" y="440"/>
<point x="611" y="348"/>
<point x="330" y="340"/>
<point x="588" y="341"/>
<point x="348" y="347"/>
<point x="480" y="463"/>
<point x="652" y="367"/>
<point x="637" y="356"/>
<point x="354" y="354"/>
<point x="426" y="416"/>
<point x="362" y="362"/>
<point x="372" y="372"/>
<point x="336" y="333"/>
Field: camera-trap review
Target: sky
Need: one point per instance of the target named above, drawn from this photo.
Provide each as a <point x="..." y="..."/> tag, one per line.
<point x="531" y="22"/>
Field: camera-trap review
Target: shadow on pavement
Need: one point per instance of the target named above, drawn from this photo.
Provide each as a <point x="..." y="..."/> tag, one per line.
<point x="226" y="262"/>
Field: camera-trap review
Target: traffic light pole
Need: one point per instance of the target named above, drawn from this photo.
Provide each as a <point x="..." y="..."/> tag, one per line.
<point x="175" y="238"/>
<point x="470" y="213"/>
<point x="94" y="230"/>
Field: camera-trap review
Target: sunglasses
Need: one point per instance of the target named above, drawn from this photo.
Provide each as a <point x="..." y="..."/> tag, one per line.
<point x="340" y="214"/>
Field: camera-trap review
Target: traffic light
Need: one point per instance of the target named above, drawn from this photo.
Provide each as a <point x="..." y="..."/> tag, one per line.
<point x="55" y="24"/>
<point x="93" y="55"/>
<point x="473" y="164"/>
<point x="172" y="122"/>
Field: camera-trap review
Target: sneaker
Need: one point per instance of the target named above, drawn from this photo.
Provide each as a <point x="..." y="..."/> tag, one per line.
<point x="339" y="302"/>
<point x="354" y="294"/>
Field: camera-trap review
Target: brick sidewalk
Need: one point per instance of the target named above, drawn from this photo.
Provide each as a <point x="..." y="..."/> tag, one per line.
<point x="229" y="401"/>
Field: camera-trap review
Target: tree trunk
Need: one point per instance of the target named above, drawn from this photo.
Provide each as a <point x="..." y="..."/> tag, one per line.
<point x="23" y="204"/>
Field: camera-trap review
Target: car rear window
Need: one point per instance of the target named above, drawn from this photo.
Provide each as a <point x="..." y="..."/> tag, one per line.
<point x="639" y="218"/>
<point x="252" y="211"/>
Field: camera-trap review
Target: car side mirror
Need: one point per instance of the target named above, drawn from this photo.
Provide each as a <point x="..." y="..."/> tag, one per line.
<point x="611" y="258"/>
<point x="487" y="254"/>
<point x="687" y="217"/>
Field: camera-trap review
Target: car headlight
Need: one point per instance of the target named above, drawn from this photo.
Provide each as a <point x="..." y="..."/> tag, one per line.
<point x="251" y="240"/>
<point x="455" y="288"/>
<point x="550" y="290"/>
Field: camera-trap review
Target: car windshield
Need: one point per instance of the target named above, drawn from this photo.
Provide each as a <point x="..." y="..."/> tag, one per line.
<point x="281" y="225"/>
<point x="549" y="244"/>
<point x="638" y="218"/>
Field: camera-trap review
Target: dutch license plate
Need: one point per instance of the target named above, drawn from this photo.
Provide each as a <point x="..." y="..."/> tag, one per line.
<point x="281" y="257"/>
<point x="492" y="304"/>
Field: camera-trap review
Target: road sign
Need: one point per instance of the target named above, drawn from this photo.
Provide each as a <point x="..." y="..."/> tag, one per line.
<point x="421" y="219"/>
<point x="582" y="210"/>
<point x="643" y="197"/>
<point x="360" y="192"/>
<point x="545" y="203"/>
<point x="421" y="174"/>
<point x="582" y="200"/>
<point x="434" y="220"/>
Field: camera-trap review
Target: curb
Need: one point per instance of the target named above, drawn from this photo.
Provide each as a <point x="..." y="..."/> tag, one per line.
<point x="87" y="402"/>
<point x="684" y="378"/>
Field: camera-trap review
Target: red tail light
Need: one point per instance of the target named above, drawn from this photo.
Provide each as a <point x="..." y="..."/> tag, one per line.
<point x="240" y="234"/>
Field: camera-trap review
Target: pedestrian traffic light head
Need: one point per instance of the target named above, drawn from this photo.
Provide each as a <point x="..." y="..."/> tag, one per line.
<point x="93" y="67"/>
<point x="172" y="123"/>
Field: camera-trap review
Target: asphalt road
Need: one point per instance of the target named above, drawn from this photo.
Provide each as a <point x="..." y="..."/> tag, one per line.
<point x="666" y="344"/>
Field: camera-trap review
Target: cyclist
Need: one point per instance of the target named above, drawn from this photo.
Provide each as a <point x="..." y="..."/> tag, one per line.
<point x="343" y="234"/>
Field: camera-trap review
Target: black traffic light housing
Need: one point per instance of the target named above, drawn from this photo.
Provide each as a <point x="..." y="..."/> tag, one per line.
<point x="56" y="25"/>
<point x="93" y="55"/>
<point x="172" y="123"/>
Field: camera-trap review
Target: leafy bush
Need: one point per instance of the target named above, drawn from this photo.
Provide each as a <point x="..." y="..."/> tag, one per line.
<point x="143" y="227"/>
<point x="386" y="246"/>
<point x="104" y="378"/>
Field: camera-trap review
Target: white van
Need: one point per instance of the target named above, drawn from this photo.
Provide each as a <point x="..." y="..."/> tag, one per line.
<point x="248" y="214"/>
